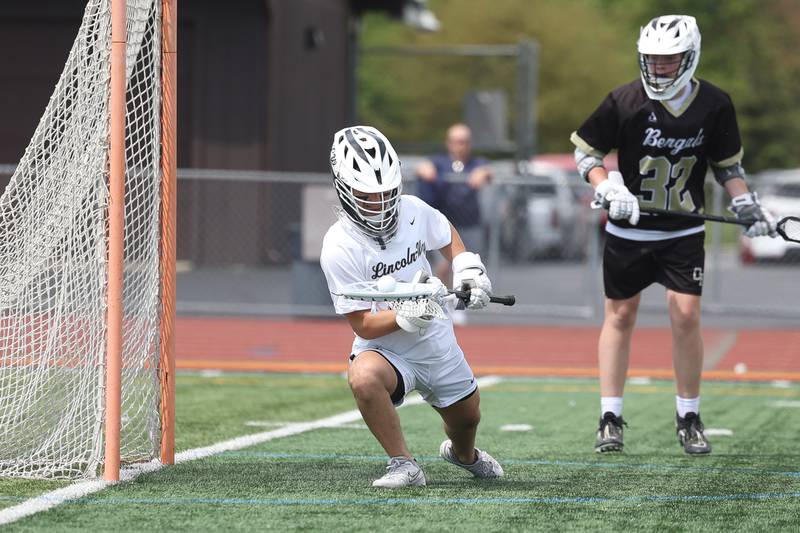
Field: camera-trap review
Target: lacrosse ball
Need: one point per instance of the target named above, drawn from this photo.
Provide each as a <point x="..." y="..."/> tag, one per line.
<point x="386" y="284"/>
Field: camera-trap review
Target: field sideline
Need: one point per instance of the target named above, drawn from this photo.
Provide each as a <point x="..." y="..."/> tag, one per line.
<point x="315" y="470"/>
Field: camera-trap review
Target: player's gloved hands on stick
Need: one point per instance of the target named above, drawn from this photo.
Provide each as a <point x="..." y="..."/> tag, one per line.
<point x="469" y="270"/>
<point x="439" y="288"/>
<point x="748" y="209"/>
<point x="613" y="194"/>
<point x="418" y="324"/>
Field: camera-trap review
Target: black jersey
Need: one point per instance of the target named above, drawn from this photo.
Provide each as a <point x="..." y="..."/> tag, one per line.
<point x="664" y="155"/>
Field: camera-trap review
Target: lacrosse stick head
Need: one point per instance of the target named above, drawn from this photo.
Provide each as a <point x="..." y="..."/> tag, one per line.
<point x="368" y="291"/>
<point x="406" y="299"/>
<point x="419" y="308"/>
<point x="789" y="229"/>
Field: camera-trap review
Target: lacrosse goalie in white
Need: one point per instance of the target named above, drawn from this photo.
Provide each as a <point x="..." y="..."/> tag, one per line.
<point x="381" y="232"/>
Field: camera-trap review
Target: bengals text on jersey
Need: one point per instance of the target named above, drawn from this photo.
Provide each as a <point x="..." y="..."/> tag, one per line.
<point x="663" y="153"/>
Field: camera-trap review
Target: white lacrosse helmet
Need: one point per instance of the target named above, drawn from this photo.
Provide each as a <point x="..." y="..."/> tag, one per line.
<point x="363" y="163"/>
<point x="668" y="35"/>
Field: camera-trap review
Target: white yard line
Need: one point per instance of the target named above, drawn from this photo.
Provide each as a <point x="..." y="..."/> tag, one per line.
<point x="84" y="488"/>
<point x="270" y="424"/>
<point x="785" y="403"/>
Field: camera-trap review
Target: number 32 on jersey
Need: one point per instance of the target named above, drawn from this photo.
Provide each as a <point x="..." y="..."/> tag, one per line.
<point x="663" y="183"/>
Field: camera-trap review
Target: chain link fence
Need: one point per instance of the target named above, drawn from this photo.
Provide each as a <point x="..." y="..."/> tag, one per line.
<point x="249" y="243"/>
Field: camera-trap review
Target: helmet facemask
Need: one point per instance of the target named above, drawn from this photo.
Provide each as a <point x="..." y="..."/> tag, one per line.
<point x="368" y="182"/>
<point x="374" y="214"/>
<point x="662" y="82"/>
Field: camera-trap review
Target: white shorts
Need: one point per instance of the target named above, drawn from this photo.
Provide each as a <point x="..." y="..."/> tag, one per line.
<point x="441" y="382"/>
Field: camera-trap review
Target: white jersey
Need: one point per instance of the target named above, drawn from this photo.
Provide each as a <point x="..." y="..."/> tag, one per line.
<point x="347" y="258"/>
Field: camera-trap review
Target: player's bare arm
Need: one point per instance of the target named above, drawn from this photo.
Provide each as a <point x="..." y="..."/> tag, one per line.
<point x="369" y="325"/>
<point x="736" y="187"/>
<point x="455" y="247"/>
<point x="468" y="269"/>
<point x="597" y="175"/>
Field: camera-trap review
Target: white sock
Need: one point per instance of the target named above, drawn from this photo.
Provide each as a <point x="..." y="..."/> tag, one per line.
<point x="611" y="403"/>
<point x="687" y="405"/>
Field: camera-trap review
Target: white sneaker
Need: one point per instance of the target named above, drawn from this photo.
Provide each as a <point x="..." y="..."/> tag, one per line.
<point x="401" y="472"/>
<point x="485" y="466"/>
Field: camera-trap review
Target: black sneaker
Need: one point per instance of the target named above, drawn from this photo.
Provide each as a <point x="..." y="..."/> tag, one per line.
<point x="690" y="434"/>
<point x="609" y="435"/>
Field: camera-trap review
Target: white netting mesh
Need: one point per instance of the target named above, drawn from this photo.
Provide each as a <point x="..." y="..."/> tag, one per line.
<point x="53" y="263"/>
<point x="422" y="307"/>
<point x="790" y="229"/>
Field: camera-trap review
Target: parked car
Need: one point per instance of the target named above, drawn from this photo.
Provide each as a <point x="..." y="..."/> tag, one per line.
<point x="533" y="213"/>
<point x="540" y="213"/>
<point x="547" y="213"/>
<point x="540" y="207"/>
<point x="779" y="191"/>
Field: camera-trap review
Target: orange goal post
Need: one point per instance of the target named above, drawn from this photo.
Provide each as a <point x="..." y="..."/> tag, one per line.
<point x="87" y="257"/>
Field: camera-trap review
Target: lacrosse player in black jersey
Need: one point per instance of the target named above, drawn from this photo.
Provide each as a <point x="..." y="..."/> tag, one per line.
<point x="668" y="128"/>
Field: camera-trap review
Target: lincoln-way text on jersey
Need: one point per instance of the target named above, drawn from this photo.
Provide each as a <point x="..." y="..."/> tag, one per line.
<point x="382" y="269"/>
<point x="654" y="138"/>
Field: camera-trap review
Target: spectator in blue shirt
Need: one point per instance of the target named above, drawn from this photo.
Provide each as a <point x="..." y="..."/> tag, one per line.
<point x="450" y="183"/>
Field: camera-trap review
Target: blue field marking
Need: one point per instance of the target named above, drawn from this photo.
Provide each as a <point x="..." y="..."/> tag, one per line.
<point x="91" y="500"/>
<point x="538" y="462"/>
<point x="553" y="500"/>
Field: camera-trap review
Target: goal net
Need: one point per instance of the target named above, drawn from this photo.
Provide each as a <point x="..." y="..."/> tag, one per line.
<point x="53" y="255"/>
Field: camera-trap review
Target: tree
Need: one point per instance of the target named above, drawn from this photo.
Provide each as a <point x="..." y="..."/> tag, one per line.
<point x="415" y="98"/>
<point x="587" y="47"/>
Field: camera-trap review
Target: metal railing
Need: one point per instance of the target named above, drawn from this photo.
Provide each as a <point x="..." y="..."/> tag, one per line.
<point x="248" y="243"/>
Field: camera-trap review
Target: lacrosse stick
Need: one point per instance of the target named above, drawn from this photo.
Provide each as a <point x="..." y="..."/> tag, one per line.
<point x="787" y="227"/>
<point x="368" y="291"/>
<point x="409" y="300"/>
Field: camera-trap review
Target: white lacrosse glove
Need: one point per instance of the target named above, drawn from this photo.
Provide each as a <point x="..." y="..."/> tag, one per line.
<point x="748" y="209"/>
<point x="469" y="270"/>
<point x="413" y="324"/>
<point x="613" y="194"/>
<point x="439" y="288"/>
<point x="418" y="324"/>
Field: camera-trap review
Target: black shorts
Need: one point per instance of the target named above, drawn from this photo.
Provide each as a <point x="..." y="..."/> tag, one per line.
<point x="631" y="266"/>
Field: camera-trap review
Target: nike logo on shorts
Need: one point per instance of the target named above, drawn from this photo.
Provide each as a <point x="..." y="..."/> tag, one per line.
<point x="413" y="220"/>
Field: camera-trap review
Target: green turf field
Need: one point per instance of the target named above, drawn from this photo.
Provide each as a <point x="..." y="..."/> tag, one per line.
<point x="320" y="479"/>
